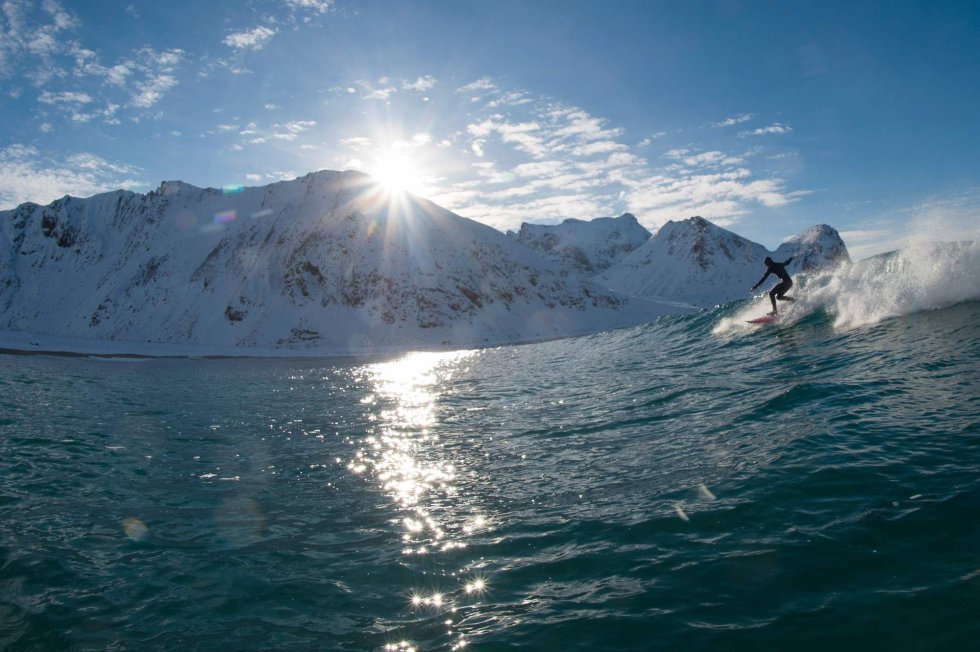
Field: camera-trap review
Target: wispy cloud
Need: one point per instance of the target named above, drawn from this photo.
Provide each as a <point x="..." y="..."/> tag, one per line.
<point x="380" y="90"/>
<point x="481" y="85"/>
<point x="27" y="174"/>
<point x="149" y="91"/>
<point x="292" y="130"/>
<point x="544" y="161"/>
<point x="307" y="10"/>
<point x="734" y="120"/>
<point x="775" y="128"/>
<point x="33" y="36"/>
<point x="253" y="39"/>
<point x="710" y="159"/>
<point x="652" y="137"/>
<point x="64" y="97"/>
<point x="38" y="42"/>
<point x="318" y="6"/>
<point x="384" y="87"/>
<point x="420" y="85"/>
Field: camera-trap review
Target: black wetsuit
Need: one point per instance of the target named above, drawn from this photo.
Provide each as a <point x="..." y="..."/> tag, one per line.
<point x="785" y="282"/>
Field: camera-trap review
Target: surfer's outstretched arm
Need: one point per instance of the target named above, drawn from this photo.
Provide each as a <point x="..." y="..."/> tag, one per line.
<point x="762" y="280"/>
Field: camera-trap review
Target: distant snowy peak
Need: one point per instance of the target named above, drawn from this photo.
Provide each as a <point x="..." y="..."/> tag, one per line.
<point x="588" y="246"/>
<point x="700" y="263"/>
<point x="691" y="261"/>
<point x="818" y="247"/>
<point x="704" y="244"/>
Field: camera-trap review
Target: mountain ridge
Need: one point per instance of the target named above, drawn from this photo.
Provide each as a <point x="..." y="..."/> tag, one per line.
<point x="325" y="262"/>
<point x="705" y="265"/>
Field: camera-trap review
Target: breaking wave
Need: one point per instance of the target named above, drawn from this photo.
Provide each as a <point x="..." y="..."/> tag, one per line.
<point x="921" y="277"/>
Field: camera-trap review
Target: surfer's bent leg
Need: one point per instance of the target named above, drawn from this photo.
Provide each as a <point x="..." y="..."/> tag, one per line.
<point x="782" y="289"/>
<point x="778" y="293"/>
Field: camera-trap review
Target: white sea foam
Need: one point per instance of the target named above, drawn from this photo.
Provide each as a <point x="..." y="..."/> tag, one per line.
<point x="927" y="276"/>
<point x="922" y="276"/>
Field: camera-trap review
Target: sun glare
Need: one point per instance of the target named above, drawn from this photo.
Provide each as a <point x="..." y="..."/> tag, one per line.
<point x="398" y="174"/>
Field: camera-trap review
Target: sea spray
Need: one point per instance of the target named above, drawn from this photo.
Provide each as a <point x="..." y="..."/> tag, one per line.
<point x="927" y="276"/>
<point x="922" y="276"/>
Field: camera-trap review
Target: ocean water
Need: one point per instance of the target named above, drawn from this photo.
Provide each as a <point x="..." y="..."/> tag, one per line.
<point x="691" y="484"/>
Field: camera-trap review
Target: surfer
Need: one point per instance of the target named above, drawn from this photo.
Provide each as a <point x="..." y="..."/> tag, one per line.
<point x="785" y="282"/>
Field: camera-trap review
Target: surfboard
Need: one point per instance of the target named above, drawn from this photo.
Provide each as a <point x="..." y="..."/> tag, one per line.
<point x="765" y="319"/>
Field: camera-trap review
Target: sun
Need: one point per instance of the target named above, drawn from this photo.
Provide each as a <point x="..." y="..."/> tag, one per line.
<point x="398" y="173"/>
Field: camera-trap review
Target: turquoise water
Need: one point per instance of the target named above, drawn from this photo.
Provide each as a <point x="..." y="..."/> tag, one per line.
<point x="663" y="487"/>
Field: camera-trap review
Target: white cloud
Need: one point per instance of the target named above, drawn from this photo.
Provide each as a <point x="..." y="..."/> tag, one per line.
<point x="703" y="159"/>
<point x="65" y="97"/>
<point x="292" y="130"/>
<point x="146" y="74"/>
<point x="150" y="90"/>
<point x="734" y="120"/>
<point x="652" y="137"/>
<point x="381" y="92"/>
<point x="482" y="84"/>
<point x="317" y="6"/>
<point x="421" y="84"/>
<point x="581" y="125"/>
<point x="482" y="129"/>
<point x="253" y="39"/>
<point x="32" y="39"/>
<point x="118" y="74"/>
<point x="599" y="147"/>
<point x="513" y="99"/>
<point x="775" y="128"/>
<point x="539" y="169"/>
<point x="27" y="174"/>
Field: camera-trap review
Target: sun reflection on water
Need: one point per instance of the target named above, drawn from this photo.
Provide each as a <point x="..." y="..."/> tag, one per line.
<point x="418" y="471"/>
<point x="403" y="452"/>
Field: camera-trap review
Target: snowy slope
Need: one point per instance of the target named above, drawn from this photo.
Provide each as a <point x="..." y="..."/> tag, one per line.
<point x="591" y="246"/>
<point x="816" y="248"/>
<point x="324" y="263"/>
<point x="698" y="262"/>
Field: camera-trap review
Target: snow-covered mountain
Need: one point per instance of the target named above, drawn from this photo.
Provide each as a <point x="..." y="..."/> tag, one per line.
<point x="322" y="263"/>
<point x="589" y="246"/>
<point x="816" y="248"/>
<point x="703" y="264"/>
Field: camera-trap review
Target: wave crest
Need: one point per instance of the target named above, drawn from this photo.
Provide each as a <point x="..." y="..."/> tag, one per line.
<point x="924" y="276"/>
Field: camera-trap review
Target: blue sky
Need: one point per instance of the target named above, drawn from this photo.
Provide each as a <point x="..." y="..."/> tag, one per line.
<point x="764" y="117"/>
